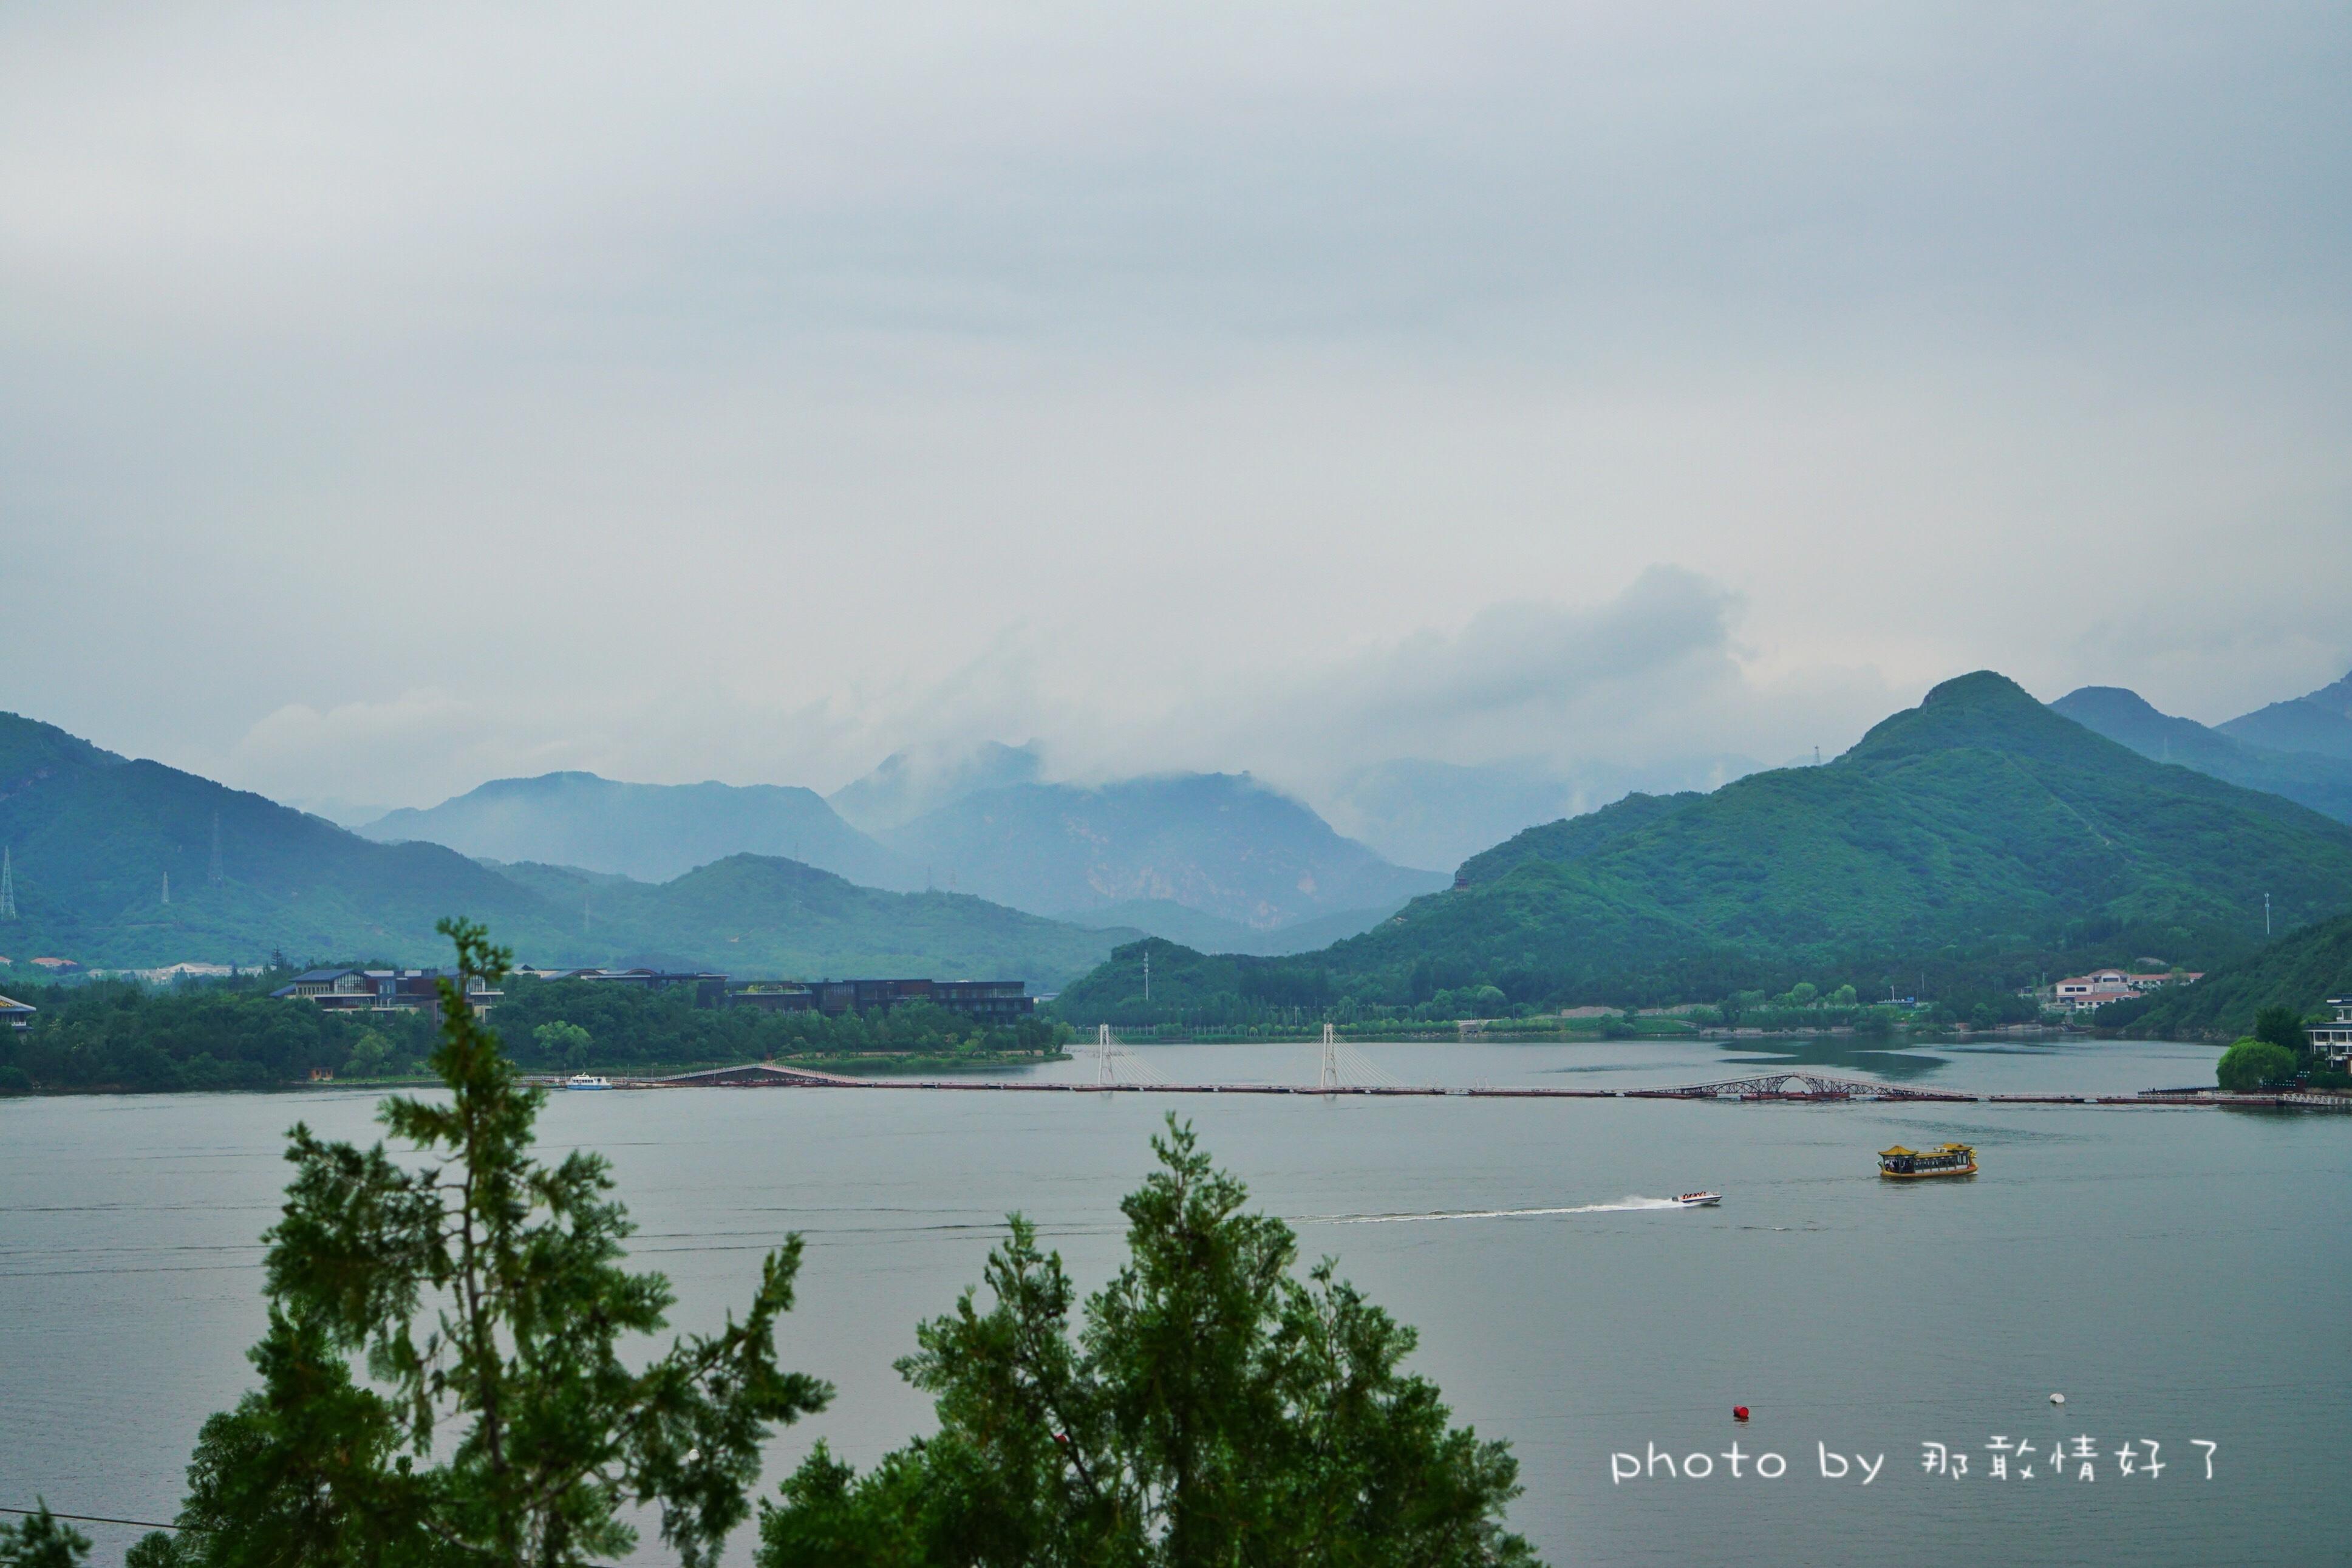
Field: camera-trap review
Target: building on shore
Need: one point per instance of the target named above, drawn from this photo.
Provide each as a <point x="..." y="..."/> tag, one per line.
<point x="989" y="1001"/>
<point x="16" y="1015"/>
<point x="2083" y="992"/>
<point x="383" y="991"/>
<point x="2334" y="1041"/>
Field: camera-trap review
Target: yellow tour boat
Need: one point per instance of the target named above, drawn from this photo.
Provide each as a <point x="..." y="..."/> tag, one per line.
<point x="1913" y="1164"/>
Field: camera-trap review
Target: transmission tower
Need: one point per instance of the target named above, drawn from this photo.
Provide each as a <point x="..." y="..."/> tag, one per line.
<point x="167" y="886"/>
<point x="212" y="873"/>
<point x="8" y="886"/>
<point x="1328" y="1078"/>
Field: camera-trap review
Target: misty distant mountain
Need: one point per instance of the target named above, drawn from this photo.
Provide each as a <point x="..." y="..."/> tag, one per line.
<point x="650" y="832"/>
<point x="2322" y="782"/>
<point x="906" y="784"/>
<point x="1423" y="812"/>
<point x="1220" y="843"/>
<point x="2320" y="723"/>
<point x="1209" y="933"/>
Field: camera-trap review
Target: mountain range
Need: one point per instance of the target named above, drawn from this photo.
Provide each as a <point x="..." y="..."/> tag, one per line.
<point x="118" y="863"/>
<point x="1208" y="857"/>
<point x="2321" y="781"/>
<point x="1221" y="843"/>
<point x="2319" y="724"/>
<point x="650" y="832"/>
<point x="1979" y="828"/>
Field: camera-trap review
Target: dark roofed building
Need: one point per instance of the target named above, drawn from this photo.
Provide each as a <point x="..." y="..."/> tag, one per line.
<point x="382" y="991"/>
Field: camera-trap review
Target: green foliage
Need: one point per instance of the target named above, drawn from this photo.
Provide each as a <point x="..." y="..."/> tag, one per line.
<point x="117" y="1034"/>
<point x="42" y="1541"/>
<point x="1979" y="840"/>
<point x="2252" y="1063"/>
<point x="158" y="1549"/>
<point x="562" y="1044"/>
<point x="1212" y="1409"/>
<point x="2283" y="1026"/>
<point x="628" y="1025"/>
<point x="498" y="1420"/>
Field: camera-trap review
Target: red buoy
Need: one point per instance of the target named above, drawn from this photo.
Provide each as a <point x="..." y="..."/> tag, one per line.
<point x="1739" y="1412"/>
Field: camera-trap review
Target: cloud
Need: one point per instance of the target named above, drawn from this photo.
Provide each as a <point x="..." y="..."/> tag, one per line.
<point x="745" y="390"/>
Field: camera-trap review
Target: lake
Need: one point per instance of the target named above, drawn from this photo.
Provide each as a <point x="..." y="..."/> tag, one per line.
<point x="2178" y="1274"/>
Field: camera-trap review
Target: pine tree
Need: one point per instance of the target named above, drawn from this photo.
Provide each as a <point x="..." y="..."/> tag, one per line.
<point x="498" y="1422"/>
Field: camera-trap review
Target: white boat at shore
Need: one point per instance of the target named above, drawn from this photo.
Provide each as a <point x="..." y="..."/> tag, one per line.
<point x="587" y="1081"/>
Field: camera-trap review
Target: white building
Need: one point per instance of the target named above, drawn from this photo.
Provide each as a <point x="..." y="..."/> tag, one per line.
<point x="2081" y="992"/>
<point x="2334" y="1041"/>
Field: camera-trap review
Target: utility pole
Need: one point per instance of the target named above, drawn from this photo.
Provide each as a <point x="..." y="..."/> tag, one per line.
<point x="212" y="873"/>
<point x="1147" y="974"/>
<point x="167" y="886"/>
<point x="2266" y="914"/>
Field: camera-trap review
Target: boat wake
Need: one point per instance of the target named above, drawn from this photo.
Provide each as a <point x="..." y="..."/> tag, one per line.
<point x="1631" y="1204"/>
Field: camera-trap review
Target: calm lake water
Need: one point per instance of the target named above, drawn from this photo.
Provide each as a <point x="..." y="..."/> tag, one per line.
<point x="2178" y="1274"/>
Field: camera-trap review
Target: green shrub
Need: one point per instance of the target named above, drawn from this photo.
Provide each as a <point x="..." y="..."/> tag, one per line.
<point x="2252" y="1063"/>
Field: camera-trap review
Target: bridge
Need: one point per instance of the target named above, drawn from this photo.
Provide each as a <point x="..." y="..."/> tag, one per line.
<point x="1794" y="1085"/>
<point x="1344" y="1069"/>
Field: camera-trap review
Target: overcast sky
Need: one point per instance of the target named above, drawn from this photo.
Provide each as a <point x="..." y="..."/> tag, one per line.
<point x="393" y="397"/>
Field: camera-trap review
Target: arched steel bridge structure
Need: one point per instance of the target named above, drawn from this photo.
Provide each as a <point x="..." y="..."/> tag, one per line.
<point x="1793" y="1084"/>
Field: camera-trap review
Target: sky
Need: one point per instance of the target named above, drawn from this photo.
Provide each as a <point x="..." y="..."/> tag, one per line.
<point x="393" y="398"/>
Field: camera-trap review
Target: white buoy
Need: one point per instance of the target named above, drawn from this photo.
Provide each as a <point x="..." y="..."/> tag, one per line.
<point x="2057" y="1399"/>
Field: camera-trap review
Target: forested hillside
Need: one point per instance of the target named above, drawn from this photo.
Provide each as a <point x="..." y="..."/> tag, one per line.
<point x="2301" y="970"/>
<point x="1969" y="844"/>
<point x="92" y="839"/>
<point x="753" y="914"/>
<point x="2321" y="783"/>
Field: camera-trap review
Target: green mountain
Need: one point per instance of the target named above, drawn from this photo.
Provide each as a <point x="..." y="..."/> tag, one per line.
<point x="651" y="832"/>
<point x="760" y="916"/>
<point x="1574" y="837"/>
<point x="2321" y="783"/>
<point x="2301" y="970"/>
<point x="1978" y="835"/>
<point x="91" y="838"/>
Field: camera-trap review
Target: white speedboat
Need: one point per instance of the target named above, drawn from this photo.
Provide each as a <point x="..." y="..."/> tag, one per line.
<point x="587" y="1081"/>
<point x="1698" y="1200"/>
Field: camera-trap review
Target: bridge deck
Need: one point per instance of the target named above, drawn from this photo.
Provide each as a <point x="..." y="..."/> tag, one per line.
<point x="1813" y="1090"/>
